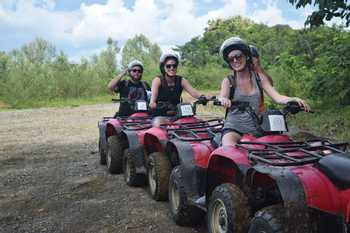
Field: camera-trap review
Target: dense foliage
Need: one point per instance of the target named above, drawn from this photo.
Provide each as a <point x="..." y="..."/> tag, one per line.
<point x="326" y="10"/>
<point x="311" y="63"/>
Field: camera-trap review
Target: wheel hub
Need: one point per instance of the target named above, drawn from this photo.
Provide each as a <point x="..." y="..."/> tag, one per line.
<point x="175" y="197"/>
<point x="151" y="178"/>
<point x="127" y="171"/>
<point x="219" y="221"/>
<point x="109" y="159"/>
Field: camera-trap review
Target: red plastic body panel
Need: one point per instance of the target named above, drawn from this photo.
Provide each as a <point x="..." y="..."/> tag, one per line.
<point x="186" y="120"/>
<point x="113" y="125"/>
<point x="238" y="156"/>
<point x="321" y="193"/>
<point x="201" y="152"/>
<point x="159" y="133"/>
<point x="141" y="136"/>
<point x="140" y="114"/>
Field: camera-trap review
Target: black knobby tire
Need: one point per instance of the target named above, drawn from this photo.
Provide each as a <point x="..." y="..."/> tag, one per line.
<point x="114" y="155"/>
<point x="102" y="153"/>
<point x="182" y="213"/>
<point x="273" y="219"/>
<point x="130" y="176"/>
<point x="228" y="210"/>
<point x="158" y="172"/>
<point x="269" y="219"/>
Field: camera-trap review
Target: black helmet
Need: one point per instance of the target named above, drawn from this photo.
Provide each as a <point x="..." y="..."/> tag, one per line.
<point x="235" y="43"/>
<point x="254" y="51"/>
<point x="166" y="56"/>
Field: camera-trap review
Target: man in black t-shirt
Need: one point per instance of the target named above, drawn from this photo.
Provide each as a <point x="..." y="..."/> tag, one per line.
<point x="132" y="89"/>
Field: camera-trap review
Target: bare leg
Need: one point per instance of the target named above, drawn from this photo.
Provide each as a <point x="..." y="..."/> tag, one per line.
<point x="158" y="121"/>
<point x="230" y="139"/>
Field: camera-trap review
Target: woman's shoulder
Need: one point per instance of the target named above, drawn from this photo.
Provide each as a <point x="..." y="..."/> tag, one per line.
<point x="157" y="78"/>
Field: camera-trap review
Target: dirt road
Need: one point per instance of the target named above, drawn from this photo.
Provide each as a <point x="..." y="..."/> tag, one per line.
<point x="51" y="181"/>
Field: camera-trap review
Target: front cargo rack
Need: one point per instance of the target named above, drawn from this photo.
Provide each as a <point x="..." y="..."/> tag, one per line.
<point x="290" y="153"/>
<point x="198" y="131"/>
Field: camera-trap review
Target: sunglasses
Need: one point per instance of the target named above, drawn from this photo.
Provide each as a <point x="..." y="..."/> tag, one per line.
<point x="238" y="57"/>
<point x="168" y="66"/>
<point x="136" y="71"/>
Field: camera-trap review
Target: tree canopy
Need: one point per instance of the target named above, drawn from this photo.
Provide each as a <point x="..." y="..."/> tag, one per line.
<point x="327" y="10"/>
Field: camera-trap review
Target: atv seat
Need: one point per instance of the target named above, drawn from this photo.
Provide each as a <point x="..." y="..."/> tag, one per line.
<point x="337" y="168"/>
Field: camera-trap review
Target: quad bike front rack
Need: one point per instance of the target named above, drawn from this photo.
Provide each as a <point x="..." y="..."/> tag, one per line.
<point x="204" y="131"/>
<point x="136" y="126"/>
<point x="290" y="153"/>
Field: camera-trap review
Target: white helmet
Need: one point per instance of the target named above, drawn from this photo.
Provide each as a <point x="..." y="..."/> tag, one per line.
<point x="135" y="63"/>
<point x="166" y="56"/>
<point x="234" y="43"/>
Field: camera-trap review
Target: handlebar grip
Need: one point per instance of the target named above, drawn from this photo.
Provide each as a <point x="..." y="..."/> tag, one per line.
<point x="216" y="102"/>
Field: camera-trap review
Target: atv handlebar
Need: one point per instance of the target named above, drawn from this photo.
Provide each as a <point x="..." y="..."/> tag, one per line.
<point x="240" y="105"/>
<point x="293" y="107"/>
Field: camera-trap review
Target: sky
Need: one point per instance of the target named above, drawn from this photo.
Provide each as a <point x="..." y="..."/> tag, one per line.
<point x="80" y="28"/>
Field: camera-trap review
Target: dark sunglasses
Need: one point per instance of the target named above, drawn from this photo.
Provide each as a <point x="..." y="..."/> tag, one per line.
<point x="168" y="66"/>
<point x="136" y="71"/>
<point x="238" y="57"/>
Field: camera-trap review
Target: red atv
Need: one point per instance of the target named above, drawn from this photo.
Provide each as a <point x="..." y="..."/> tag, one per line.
<point x="159" y="156"/>
<point x="111" y="142"/>
<point x="268" y="184"/>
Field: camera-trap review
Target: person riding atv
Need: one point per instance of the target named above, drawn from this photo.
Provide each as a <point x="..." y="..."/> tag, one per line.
<point x="132" y="89"/>
<point x="245" y="85"/>
<point x="168" y="86"/>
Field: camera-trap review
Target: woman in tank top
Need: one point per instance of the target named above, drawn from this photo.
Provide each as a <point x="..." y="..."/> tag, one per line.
<point x="244" y="86"/>
<point x="168" y="86"/>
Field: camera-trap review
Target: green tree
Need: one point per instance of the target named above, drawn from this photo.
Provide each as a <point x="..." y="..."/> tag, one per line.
<point x="142" y="49"/>
<point x="326" y="10"/>
<point x="106" y="63"/>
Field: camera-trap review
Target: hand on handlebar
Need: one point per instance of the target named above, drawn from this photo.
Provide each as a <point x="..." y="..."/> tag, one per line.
<point x="203" y="100"/>
<point x="152" y="105"/>
<point x="225" y="102"/>
<point x="302" y="104"/>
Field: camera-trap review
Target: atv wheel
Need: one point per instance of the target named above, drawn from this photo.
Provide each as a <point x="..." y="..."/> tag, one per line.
<point x="102" y="153"/>
<point x="228" y="210"/>
<point x="269" y="219"/>
<point x="182" y="213"/>
<point x="158" y="175"/>
<point x="130" y="176"/>
<point x="272" y="219"/>
<point x="114" y="155"/>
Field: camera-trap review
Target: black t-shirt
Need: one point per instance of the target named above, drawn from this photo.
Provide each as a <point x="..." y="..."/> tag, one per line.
<point x="131" y="91"/>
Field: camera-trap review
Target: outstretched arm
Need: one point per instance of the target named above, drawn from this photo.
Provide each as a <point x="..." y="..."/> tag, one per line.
<point x="277" y="97"/>
<point x="188" y="87"/>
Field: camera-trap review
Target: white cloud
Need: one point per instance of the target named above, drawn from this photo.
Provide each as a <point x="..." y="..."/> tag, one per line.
<point x="47" y="4"/>
<point x="166" y="22"/>
<point x="272" y="15"/>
